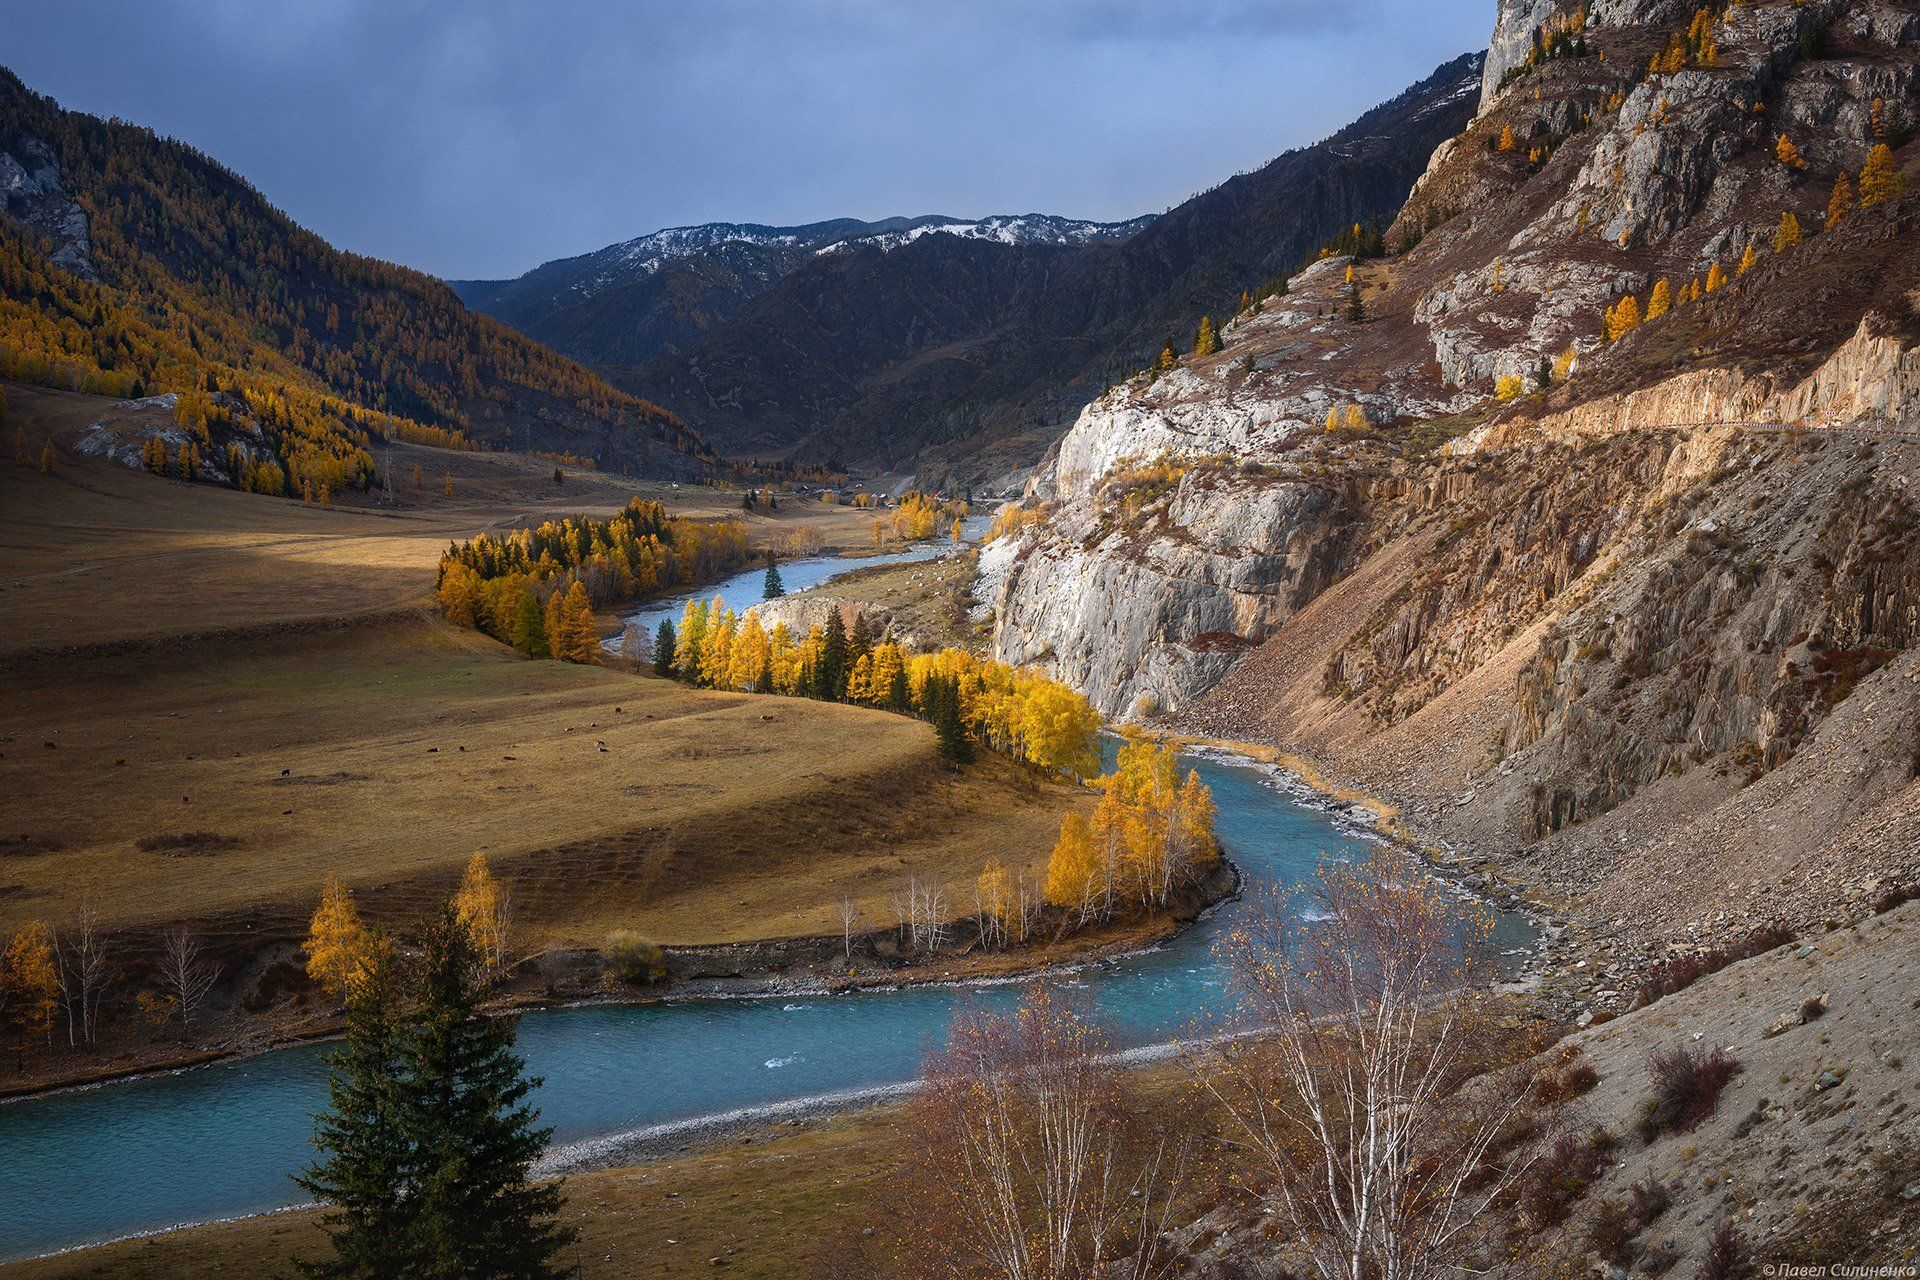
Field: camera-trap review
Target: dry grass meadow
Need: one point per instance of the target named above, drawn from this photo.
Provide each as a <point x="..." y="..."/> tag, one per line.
<point x="216" y="699"/>
<point x="763" y="1206"/>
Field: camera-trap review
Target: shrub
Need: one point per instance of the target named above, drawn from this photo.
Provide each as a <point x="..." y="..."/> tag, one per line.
<point x="1617" y="1223"/>
<point x="1562" y="1176"/>
<point x="1611" y="1232"/>
<point x="1648" y="1199"/>
<point x="1669" y="976"/>
<point x="1687" y="1083"/>
<point x="1569" y="1080"/>
<point x="633" y="961"/>
<point x="1726" y="1257"/>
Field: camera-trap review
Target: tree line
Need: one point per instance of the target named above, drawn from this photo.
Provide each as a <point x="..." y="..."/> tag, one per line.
<point x="970" y="701"/>
<point x="56" y="981"/>
<point x="536" y="589"/>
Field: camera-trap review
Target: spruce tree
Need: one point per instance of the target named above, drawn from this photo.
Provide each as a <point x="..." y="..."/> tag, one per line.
<point x="475" y="1213"/>
<point x="831" y="676"/>
<point x="663" y="649"/>
<point x="773" y="589"/>
<point x="860" y="640"/>
<point x="951" y="732"/>
<point x="363" y="1170"/>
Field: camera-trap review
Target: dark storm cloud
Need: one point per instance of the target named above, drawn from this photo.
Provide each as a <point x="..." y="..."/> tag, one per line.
<point x="481" y="138"/>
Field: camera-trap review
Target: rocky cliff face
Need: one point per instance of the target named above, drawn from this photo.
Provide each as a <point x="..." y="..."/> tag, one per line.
<point x="31" y="191"/>
<point x="1597" y="601"/>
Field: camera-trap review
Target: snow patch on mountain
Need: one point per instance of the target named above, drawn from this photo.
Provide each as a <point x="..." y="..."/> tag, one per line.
<point x="1025" y="228"/>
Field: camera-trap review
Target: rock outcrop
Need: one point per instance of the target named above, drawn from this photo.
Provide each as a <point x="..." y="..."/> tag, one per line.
<point x="1609" y="610"/>
<point x="31" y="191"/>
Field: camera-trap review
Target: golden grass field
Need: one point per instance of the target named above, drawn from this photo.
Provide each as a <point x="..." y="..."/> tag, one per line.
<point x="272" y="675"/>
<point x="763" y="1206"/>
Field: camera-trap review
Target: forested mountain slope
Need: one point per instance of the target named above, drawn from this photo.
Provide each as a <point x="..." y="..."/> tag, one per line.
<point x="664" y="292"/>
<point x="131" y="265"/>
<point x="965" y="357"/>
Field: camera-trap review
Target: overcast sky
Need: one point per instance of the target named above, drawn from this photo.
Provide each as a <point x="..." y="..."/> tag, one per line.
<point x="477" y="138"/>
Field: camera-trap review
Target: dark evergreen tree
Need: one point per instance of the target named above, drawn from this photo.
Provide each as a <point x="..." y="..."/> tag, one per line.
<point x="663" y="641"/>
<point x="774" y="588"/>
<point x="1356" y="309"/>
<point x="860" y="640"/>
<point x="948" y="728"/>
<point x="363" y="1169"/>
<point x="830" y="678"/>
<point x="475" y="1212"/>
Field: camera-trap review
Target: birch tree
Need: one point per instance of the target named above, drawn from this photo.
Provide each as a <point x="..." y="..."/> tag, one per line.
<point x="1034" y="1158"/>
<point x="85" y="972"/>
<point x="186" y="975"/>
<point x="1380" y="1088"/>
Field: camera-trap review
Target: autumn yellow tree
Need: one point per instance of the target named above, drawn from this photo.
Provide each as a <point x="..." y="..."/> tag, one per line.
<point x="1840" y="203"/>
<point x="1073" y="870"/>
<point x="1057" y="727"/>
<point x="860" y="679"/>
<point x="29" y="981"/>
<point x="1787" y="234"/>
<point x="716" y="651"/>
<point x="1661" y="300"/>
<point x="1748" y="259"/>
<point x="1334" y="418"/>
<point x="1623" y="318"/>
<point x="1206" y="339"/>
<point x="747" y="662"/>
<point x="1507" y="141"/>
<point x="783" y="660"/>
<point x="1880" y="178"/>
<point x="481" y="907"/>
<point x="1356" y="418"/>
<point x="570" y="631"/>
<point x="338" y="946"/>
<point x="1716" y="276"/>
<point x="1787" y="154"/>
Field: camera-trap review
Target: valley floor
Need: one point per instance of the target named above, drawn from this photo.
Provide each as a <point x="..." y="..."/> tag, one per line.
<point x="219" y="699"/>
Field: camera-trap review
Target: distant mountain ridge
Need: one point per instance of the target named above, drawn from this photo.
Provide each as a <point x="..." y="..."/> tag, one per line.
<point x="634" y="301"/>
<point x="966" y="358"/>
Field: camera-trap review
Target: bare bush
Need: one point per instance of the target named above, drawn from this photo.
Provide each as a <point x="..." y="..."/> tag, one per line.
<point x="1687" y="1084"/>
<point x="1033" y="1157"/>
<point x="1387" y="1100"/>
